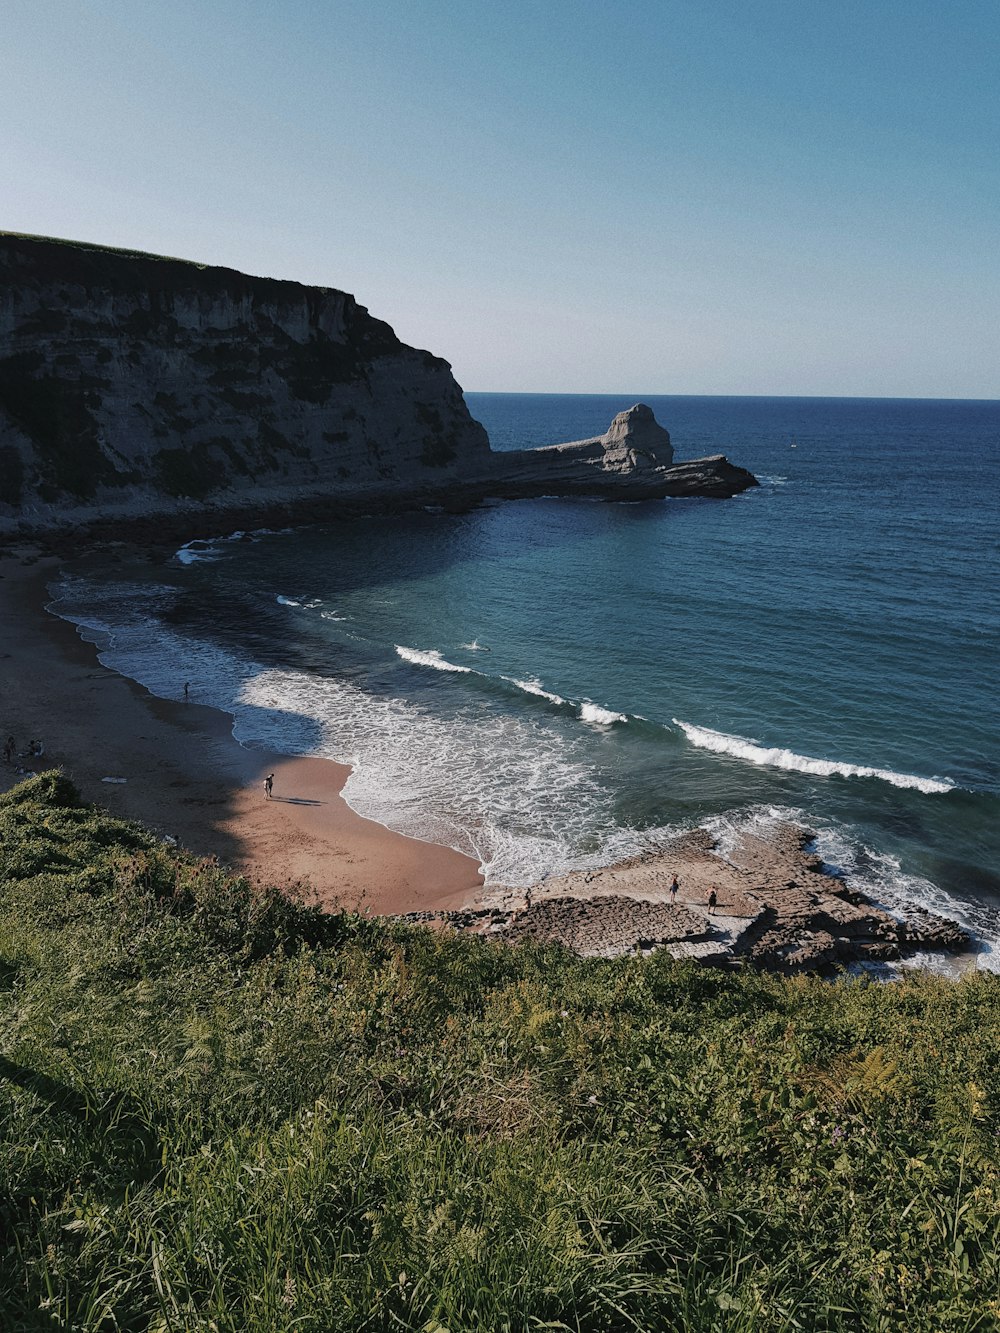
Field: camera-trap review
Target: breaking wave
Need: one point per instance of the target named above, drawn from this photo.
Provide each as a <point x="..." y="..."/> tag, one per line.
<point x="601" y="717"/>
<point x="775" y="757"/>
<point x="431" y="658"/>
<point x="536" y="688"/>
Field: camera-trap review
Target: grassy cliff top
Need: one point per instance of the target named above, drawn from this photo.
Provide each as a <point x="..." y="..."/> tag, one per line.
<point x="62" y="260"/>
<point x="221" y="1108"/>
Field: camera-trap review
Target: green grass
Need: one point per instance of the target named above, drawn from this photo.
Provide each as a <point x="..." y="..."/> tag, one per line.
<point x="92" y="245"/>
<point x="223" y="1110"/>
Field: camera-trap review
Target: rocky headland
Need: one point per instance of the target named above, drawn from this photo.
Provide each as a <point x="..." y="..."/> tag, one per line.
<point x="776" y="909"/>
<point x="136" y="387"/>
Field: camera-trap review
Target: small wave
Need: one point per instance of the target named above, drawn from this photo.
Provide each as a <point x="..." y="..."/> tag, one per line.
<point x="196" y="553"/>
<point x="535" y="687"/>
<point x="601" y="717"/>
<point x="774" y="757"/>
<point x="333" y="615"/>
<point x="286" y="601"/>
<point x="475" y="647"/>
<point x="430" y="658"/>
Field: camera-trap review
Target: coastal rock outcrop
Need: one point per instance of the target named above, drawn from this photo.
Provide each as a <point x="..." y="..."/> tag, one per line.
<point x="134" y="386"/>
<point x="776" y="908"/>
<point x="632" y="460"/>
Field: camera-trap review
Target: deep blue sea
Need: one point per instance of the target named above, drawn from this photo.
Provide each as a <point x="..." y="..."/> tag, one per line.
<point x="553" y="683"/>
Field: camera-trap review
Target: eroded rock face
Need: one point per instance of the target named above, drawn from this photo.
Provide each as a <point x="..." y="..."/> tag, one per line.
<point x="632" y="460"/>
<point x="135" y="387"/>
<point x="130" y="381"/>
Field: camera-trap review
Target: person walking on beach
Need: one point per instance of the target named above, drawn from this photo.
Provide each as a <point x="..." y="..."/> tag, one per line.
<point x="268" y="786"/>
<point x="674" y="886"/>
<point x="713" y="898"/>
<point x="187" y="690"/>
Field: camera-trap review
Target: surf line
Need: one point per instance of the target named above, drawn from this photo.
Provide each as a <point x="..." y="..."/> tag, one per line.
<point x="588" y="712"/>
<point x="775" y="757"/>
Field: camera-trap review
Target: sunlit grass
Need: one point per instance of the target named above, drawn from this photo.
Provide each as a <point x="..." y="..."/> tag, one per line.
<point x="222" y="1109"/>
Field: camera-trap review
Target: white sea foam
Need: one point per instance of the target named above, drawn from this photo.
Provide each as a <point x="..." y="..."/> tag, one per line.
<point x="535" y="687"/>
<point x="760" y="820"/>
<point x="333" y="615"/>
<point x="207" y="549"/>
<point x="878" y="875"/>
<point x="431" y="658"/>
<point x="475" y="647"/>
<point x="520" y="796"/>
<point x="774" y="757"/>
<point x="186" y="556"/>
<point x="601" y="717"/>
<point x="286" y="601"/>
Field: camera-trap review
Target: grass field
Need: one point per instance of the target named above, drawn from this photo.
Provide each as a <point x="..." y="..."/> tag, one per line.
<point x="223" y="1110"/>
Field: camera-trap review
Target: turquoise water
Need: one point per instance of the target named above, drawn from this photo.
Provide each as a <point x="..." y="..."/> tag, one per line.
<point x="559" y="683"/>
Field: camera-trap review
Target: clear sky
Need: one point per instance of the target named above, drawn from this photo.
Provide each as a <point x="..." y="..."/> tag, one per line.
<point x="653" y="196"/>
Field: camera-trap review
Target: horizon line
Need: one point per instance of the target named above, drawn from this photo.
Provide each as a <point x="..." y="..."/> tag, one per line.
<point x="850" y="397"/>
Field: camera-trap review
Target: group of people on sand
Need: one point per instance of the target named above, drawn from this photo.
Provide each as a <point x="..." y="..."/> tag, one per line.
<point x="35" y="750"/>
<point x="713" y="896"/>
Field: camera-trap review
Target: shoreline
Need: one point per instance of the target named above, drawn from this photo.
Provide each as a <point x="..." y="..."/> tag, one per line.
<point x="188" y="778"/>
<point x="768" y="902"/>
<point x="186" y="775"/>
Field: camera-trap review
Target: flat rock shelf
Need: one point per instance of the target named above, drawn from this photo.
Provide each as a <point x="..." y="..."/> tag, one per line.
<point x="776" y="908"/>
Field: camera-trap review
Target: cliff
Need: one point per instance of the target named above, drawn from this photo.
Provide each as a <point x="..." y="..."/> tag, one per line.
<point x="134" y="385"/>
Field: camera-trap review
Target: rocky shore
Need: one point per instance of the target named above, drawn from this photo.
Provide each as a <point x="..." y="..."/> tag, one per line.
<point x="776" y="909"/>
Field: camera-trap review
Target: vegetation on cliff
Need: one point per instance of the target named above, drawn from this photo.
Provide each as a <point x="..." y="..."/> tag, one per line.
<point x="222" y="1109"/>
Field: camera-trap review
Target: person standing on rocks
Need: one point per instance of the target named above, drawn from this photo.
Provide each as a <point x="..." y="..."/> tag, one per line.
<point x="713" y="898"/>
<point x="674" y="886"/>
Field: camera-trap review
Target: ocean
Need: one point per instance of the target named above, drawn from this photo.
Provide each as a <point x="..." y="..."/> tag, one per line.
<point x="555" y="684"/>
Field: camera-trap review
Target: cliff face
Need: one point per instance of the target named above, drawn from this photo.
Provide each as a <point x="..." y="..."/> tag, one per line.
<point x="133" y="386"/>
<point x="130" y="382"/>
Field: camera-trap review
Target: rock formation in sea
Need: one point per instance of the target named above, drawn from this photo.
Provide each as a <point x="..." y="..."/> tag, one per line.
<point x="133" y="385"/>
<point x="632" y="460"/>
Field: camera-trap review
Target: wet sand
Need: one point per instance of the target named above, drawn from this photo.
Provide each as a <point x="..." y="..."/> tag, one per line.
<point x="187" y="778"/>
<point x="185" y="775"/>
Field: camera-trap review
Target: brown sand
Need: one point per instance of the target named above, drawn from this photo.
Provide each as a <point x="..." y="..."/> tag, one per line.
<point x="187" y="777"/>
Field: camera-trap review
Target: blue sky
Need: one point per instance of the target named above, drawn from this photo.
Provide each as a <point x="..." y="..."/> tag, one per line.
<point x="665" y="196"/>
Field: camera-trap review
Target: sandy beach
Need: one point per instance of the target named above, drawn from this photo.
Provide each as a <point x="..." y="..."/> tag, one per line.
<point x="186" y="777"/>
<point x="176" y="768"/>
